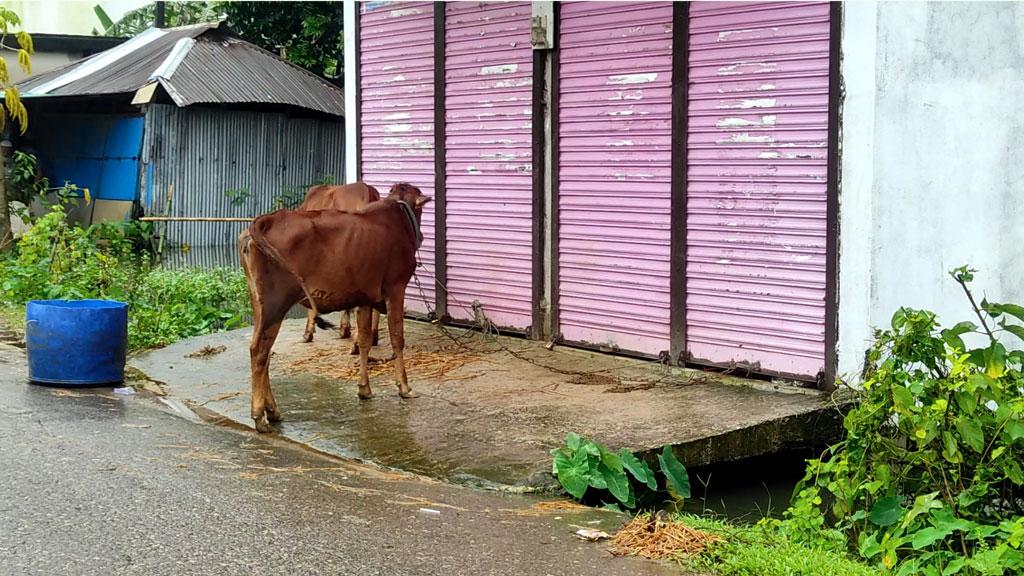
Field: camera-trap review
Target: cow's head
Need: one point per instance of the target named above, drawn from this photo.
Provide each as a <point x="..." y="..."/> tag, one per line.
<point x="411" y="195"/>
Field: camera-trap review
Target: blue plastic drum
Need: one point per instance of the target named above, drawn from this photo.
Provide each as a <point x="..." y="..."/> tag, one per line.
<point x="76" y="342"/>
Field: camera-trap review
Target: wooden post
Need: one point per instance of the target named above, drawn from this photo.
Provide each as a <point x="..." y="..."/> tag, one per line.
<point x="6" y="150"/>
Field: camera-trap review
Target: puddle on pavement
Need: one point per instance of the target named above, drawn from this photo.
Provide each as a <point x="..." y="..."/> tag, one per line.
<point x="327" y="415"/>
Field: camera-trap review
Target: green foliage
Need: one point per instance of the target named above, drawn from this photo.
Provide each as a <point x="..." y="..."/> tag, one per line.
<point x="55" y="259"/>
<point x="929" y="479"/>
<point x="10" y="24"/>
<point x="761" y="551"/>
<point x="584" y="466"/>
<point x="292" y="196"/>
<point x="138" y="20"/>
<point x="26" y="182"/>
<point x="310" y="33"/>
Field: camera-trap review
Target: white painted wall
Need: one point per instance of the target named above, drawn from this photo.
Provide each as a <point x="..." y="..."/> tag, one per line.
<point x="351" y="68"/>
<point x="932" y="160"/>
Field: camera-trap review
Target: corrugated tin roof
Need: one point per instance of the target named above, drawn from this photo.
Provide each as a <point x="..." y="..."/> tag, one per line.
<point x="194" y="64"/>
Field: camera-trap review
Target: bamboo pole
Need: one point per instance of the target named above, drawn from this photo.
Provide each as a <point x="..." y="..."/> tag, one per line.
<point x="193" y="219"/>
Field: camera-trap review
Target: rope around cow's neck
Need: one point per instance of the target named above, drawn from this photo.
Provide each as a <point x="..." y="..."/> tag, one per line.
<point x="412" y="220"/>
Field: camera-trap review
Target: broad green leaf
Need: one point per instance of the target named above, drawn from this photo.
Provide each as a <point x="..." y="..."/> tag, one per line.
<point x="869" y="546"/>
<point x="573" y="441"/>
<point x="951" y="449"/>
<point x="902" y="398"/>
<point x="639" y="469"/>
<point x="927" y="536"/>
<point x="572" y="476"/>
<point x="967" y="402"/>
<point x="1013" y="310"/>
<point x="611" y="460"/>
<point x="995" y="365"/>
<point x="1015" y="329"/>
<point x="886" y="511"/>
<point x="954" y="567"/>
<point x="971" y="433"/>
<point x="678" y="481"/>
<point x="616" y="482"/>
<point x="952" y="335"/>
<point x="1015" y="430"/>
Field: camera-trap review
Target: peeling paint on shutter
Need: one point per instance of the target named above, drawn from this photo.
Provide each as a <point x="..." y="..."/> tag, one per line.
<point x="396" y="80"/>
<point x="489" y="186"/>
<point x="756" y="185"/>
<point x="614" y="174"/>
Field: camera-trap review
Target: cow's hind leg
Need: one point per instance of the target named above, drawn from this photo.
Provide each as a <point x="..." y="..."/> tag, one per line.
<point x="267" y="318"/>
<point x="396" y="329"/>
<point x="363" y="321"/>
<point x="376" y="327"/>
<point x="346" y="324"/>
<point x="307" y="336"/>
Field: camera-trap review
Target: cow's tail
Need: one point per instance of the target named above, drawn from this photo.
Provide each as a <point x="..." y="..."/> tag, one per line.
<point x="256" y="233"/>
<point x="323" y="324"/>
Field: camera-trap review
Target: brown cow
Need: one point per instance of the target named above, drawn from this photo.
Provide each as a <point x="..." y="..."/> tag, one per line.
<point x="347" y="198"/>
<point x="336" y="261"/>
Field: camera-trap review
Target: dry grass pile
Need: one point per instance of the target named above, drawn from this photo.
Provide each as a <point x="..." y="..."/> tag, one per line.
<point x="657" y="538"/>
<point x="336" y="362"/>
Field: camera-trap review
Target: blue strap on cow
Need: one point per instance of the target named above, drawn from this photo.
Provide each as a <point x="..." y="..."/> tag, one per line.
<point x="412" y="220"/>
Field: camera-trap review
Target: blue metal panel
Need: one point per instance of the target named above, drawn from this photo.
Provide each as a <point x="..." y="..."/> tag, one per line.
<point x="98" y="152"/>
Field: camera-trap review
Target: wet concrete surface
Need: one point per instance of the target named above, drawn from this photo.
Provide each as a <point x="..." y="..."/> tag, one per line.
<point x="492" y="407"/>
<point x="96" y="483"/>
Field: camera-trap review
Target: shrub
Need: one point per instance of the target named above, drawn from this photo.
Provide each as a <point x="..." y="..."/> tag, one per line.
<point x="928" y="479"/>
<point x="58" y="260"/>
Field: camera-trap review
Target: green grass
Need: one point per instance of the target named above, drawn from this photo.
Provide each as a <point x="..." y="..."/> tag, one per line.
<point x="12" y="318"/>
<point x="757" y="551"/>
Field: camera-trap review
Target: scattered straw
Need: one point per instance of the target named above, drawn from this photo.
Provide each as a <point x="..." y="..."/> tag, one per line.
<point x="559" y="506"/>
<point x="656" y="538"/>
<point x="425" y="364"/>
<point x="207" y="351"/>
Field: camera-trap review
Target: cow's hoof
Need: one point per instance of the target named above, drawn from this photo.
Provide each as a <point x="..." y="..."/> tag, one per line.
<point x="372" y="360"/>
<point x="408" y="394"/>
<point x="346" y="332"/>
<point x="365" y="394"/>
<point x="274" y="415"/>
<point x="263" y="425"/>
<point x="307" y="337"/>
<point x="354" y="351"/>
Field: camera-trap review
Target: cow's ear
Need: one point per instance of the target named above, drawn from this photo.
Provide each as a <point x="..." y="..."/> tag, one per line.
<point x="422" y="200"/>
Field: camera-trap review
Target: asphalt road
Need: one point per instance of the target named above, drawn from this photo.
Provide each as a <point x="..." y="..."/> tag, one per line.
<point x="92" y="482"/>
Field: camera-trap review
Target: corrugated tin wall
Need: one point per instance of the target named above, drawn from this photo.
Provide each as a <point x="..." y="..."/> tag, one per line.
<point x="396" y="82"/>
<point x="488" y="160"/>
<point x="95" y="151"/>
<point x="211" y="156"/>
<point x="614" y="174"/>
<point x="756" y="184"/>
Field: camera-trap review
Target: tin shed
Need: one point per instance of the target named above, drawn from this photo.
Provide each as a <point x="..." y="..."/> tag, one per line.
<point x="186" y="121"/>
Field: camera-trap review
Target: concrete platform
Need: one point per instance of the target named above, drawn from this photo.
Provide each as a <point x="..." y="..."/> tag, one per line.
<point x="491" y="408"/>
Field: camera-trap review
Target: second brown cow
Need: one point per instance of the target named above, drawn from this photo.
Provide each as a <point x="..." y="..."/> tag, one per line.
<point x="347" y="198"/>
<point x="335" y="261"/>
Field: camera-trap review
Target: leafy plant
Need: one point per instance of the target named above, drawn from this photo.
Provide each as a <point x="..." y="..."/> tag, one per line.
<point x="10" y="24"/>
<point x="238" y="196"/>
<point x="583" y="465"/>
<point x="292" y="196"/>
<point x="929" y="479"/>
<point x="56" y="259"/>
